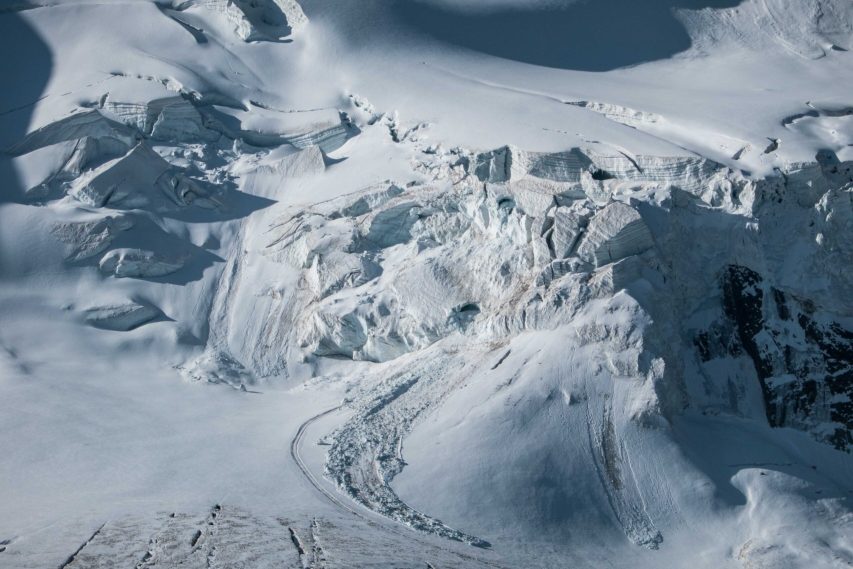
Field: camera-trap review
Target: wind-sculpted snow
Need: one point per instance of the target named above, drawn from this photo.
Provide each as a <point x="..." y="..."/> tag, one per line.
<point x="86" y="239"/>
<point x="121" y="317"/>
<point x="618" y="113"/>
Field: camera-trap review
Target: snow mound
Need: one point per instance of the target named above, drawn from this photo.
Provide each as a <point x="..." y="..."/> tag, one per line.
<point x="87" y="239"/>
<point x="137" y="263"/>
<point x="121" y="317"/>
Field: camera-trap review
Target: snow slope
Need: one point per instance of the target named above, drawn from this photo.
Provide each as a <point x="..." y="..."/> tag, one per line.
<point x="444" y="283"/>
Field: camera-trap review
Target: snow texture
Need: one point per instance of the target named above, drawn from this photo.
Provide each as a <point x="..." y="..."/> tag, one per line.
<point x="447" y="283"/>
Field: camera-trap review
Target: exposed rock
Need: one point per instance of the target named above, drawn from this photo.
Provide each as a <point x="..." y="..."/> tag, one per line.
<point x="803" y="360"/>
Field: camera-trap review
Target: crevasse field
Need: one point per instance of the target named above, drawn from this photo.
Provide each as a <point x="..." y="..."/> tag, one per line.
<point x="426" y="284"/>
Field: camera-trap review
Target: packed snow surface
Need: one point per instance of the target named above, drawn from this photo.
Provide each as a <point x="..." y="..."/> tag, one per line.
<point x="426" y="283"/>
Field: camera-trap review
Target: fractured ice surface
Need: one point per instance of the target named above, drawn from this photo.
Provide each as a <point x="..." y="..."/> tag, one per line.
<point x="534" y="332"/>
<point x="614" y="233"/>
<point x="568" y="225"/>
<point x="265" y="127"/>
<point x="168" y="119"/>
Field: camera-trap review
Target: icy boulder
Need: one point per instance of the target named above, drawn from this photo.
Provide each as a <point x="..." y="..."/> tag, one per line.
<point x="569" y="224"/>
<point x="535" y="181"/>
<point x="614" y="233"/>
<point x="494" y="166"/>
<point x="121" y="317"/>
<point x="620" y="173"/>
<point x="138" y="263"/>
<point x="230" y="11"/>
<point x="90" y="152"/>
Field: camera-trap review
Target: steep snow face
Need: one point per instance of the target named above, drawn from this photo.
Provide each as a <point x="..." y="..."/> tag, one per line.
<point x="567" y="318"/>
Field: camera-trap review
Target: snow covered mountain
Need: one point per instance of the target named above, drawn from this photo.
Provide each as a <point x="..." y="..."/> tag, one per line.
<point x="426" y="283"/>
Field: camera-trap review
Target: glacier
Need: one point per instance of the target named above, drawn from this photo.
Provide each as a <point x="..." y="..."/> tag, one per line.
<point x="403" y="284"/>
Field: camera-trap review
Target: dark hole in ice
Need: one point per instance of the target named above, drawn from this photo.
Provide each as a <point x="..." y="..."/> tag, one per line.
<point x="602" y="175"/>
<point x="463" y="314"/>
<point x="469" y="308"/>
<point x="506" y="203"/>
